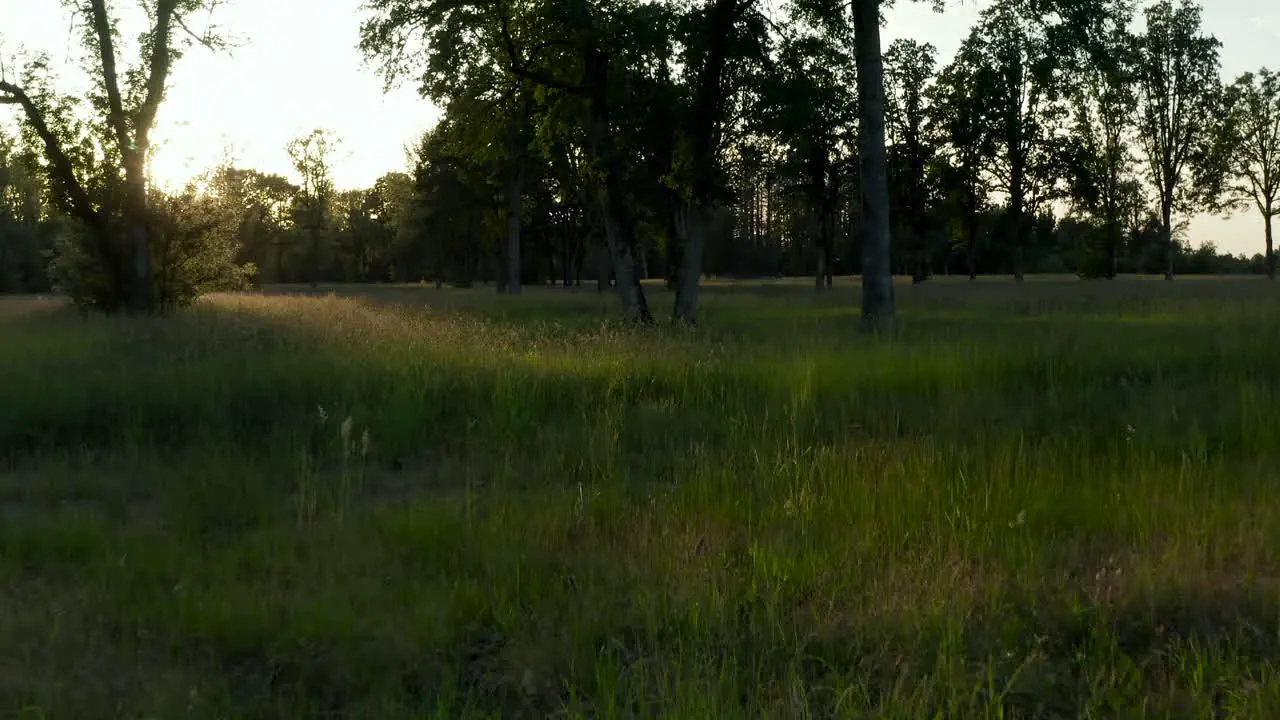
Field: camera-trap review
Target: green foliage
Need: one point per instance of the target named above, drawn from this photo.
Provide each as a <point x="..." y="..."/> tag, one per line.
<point x="1248" y="149"/>
<point x="193" y="252"/>
<point x="26" y="227"/>
<point x="1178" y="96"/>
<point x="96" y="149"/>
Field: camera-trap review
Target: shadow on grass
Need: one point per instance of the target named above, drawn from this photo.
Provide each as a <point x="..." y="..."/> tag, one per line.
<point x="1183" y="652"/>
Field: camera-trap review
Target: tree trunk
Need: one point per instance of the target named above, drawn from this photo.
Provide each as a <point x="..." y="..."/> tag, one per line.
<point x="819" y="249"/>
<point x="689" y="274"/>
<point x="1166" y="229"/>
<point x="1018" y="226"/>
<point x="704" y="135"/>
<point x="515" y="195"/>
<point x="877" y="279"/>
<point x="820" y="275"/>
<point x="566" y="261"/>
<point x="1271" y="251"/>
<point x="142" y="297"/>
<point x="619" y="228"/>
<point x="604" y="268"/>
<point x="315" y="257"/>
<point x="622" y="247"/>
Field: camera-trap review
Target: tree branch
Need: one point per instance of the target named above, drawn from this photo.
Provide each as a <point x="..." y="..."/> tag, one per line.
<point x="205" y="40"/>
<point x="158" y="70"/>
<point x="520" y="68"/>
<point x="61" y="169"/>
<point x="110" y="77"/>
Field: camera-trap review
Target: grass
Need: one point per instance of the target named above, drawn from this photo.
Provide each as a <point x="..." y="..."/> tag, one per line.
<point x="1056" y="500"/>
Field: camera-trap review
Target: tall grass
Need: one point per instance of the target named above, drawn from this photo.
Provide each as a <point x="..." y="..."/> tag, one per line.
<point x="1055" y="500"/>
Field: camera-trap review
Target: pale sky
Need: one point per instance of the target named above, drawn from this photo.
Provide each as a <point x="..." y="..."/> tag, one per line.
<point x="297" y="68"/>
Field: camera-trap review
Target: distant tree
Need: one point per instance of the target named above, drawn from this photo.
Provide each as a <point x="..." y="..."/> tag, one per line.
<point x="909" y="69"/>
<point x="1251" y="149"/>
<point x="258" y="207"/>
<point x="571" y="56"/>
<point x="807" y="110"/>
<point x="957" y="122"/>
<point x="108" y="192"/>
<point x="1022" y="90"/>
<point x="1178" y="89"/>
<point x="1103" y="95"/>
<point x="313" y="156"/>
<point x="26" y="225"/>
<point x="455" y="201"/>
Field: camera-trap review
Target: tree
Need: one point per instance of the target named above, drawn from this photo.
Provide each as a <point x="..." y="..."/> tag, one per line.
<point x="909" y="67"/>
<point x="1252" y="149"/>
<point x="1100" y="155"/>
<point x="312" y="155"/>
<point x="1178" y="91"/>
<point x="26" y="227"/>
<point x="725" y="34"/>
<point x="569" y="55"/>
<point x="1021" y="92"/>
<point x="958" y="122"/>
<point x="259" y="208"/>
<point x="116" y="223"/>
<point x="807" y="110"/>
<point x="878" y="314"/>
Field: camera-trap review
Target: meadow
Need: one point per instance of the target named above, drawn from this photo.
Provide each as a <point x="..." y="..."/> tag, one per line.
<point x="1055" y="500"/>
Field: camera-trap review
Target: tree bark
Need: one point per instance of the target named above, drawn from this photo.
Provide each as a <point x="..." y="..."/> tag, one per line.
<point x="619" y="228"/>
<point x="877" y="280"/>
<point x="515" y="196"/>
<point x="622" y="251"/>
<point x="705" y="141"/>
<point x="689" y="274"/>
<point x="1271" y="251"/>
<point x="1166" y="229"/>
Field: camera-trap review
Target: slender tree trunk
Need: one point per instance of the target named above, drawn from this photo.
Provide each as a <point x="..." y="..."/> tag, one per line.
<point x="819" y="249"/>
<point x="315" y="257"/>
<point x="566" y="260"/>
<point x="820" y="274"/>
<point x="1271" y="251"/>
<point x="689" y="274"/>
<point x="603" y="267"/>
<point x="1166" y="229"/>
<point x="828" y="242"/>
<point x="626" y="268"/>
<point x="877" y="278"/>
<point x="1018" y="225"/>
<point x="677" y="231"/>
<point x="971" y="232"/>
<point x="619" y="228"/>
<point x="510" y="275"/>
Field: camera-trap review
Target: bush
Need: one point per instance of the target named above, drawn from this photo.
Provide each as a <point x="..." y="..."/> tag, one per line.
<point x="193" y="252"/>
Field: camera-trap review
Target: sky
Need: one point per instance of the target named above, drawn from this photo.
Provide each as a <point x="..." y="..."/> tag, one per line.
<point x="295" y="67"/>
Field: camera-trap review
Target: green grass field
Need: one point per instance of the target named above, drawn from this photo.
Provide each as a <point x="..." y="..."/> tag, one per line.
<point x="1059" y="500"/>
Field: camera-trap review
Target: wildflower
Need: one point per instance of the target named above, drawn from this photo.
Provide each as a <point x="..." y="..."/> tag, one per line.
<point x="323" y="415"/>
<point x="344" y="433"/>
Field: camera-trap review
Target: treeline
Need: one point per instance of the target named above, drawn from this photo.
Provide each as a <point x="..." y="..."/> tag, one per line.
<point x="1056" y="141"/>
<point x="611" y="142"/>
